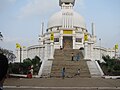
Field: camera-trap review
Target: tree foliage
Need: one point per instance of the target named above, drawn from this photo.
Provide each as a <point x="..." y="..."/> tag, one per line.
<point x="36" y="61"/>
<point x="1" y="36"/>
<point x="8" y="53"/>
<point x="14" y="68"/>
<point x="111" y="66"/>
<point x="25" y="67"/>
<point x="27" y="62"/>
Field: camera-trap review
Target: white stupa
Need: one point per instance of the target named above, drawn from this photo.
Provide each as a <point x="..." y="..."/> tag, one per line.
<point x="66" y="29"/>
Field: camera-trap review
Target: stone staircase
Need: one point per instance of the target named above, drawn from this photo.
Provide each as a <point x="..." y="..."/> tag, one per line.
<point x="95" y="69"/>
<point x="63" y="58"/>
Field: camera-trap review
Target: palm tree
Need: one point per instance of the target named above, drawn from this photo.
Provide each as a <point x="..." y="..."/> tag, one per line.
<point x="1" y="36"/>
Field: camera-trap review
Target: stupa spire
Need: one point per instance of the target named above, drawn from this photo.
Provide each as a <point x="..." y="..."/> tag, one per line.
<point x="66" y="2"/>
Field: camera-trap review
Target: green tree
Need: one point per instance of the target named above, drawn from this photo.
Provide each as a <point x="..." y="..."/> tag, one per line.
<point x="106" y="58"/>
<point x="14" y="68"/>
<point x="111" y="66"/>
<point x="27" y="62"/>
<point x="117" y="65"/>
<point x="36" y="61"/>
<point x="9" y="54"/>
<point x="26" y="65"/>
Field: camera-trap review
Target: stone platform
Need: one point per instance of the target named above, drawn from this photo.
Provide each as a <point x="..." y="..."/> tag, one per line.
<point x="62" y="84"/>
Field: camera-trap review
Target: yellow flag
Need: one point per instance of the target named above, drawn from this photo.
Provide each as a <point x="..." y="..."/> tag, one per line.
<point x="18" y="45"/>
<point x="116" y="46"/>
<point x="85" y="37"/>
<point x="52" y="36"/>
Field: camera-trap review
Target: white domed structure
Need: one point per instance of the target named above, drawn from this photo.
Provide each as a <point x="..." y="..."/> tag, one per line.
<point x="66" y="31"/>
<point x="79" y="20"/>
<point x="57" y="20"/>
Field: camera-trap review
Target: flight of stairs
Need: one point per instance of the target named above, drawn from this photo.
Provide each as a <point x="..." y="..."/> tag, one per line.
<point x="95" y="69"/>
<point x="63" y="58"/>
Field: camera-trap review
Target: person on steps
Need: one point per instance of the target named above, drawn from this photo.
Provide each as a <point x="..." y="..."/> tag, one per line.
<point x="72" y="57"/>
<point x="63" y="73"/>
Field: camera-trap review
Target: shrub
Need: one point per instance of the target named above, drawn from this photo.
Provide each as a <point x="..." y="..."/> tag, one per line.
<point x="111" y="66"/>
<point x="25" y="67"/>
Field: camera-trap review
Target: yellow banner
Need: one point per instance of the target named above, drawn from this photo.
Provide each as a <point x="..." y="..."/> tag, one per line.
<point x="18" y="45"/>
<point x="67" y="32"/>
<point x="52" y="36"/>
<point x="85" y="37"/>
<point x="116" y="46"/>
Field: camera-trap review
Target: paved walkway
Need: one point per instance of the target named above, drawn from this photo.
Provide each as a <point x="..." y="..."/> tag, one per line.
<point x="62" y="84"/>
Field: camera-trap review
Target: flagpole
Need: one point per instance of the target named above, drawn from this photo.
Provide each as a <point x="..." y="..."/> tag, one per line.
<point x="20" y="54"/>
<point x="100" y="48"/>
<point x="115" y="52"/>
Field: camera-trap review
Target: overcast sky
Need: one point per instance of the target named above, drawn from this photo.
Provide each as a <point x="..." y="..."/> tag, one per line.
<point x="20" y="20"/>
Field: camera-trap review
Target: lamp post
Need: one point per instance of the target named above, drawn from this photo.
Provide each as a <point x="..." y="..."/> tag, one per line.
<point x="100" y="47"/>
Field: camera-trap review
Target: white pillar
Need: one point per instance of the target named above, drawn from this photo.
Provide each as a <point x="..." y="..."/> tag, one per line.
<point x="86" y="49"/>
<point x="63" y="20"/>
<point x="73" y="39"/>
<point x="93" y="29"/>
<point x="92" y="52"/>
<point x="67" y="17"/>
<point x="51" y="50"/>
<point x="42" y="53"/>
<point x="61" y="38"/>
<point x="61" y="41"/>
<point x="73" y="42"/>
<point x="46" y="52"/>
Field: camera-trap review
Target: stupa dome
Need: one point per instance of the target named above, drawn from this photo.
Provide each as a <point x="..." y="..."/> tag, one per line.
<point x="56" y="20"/>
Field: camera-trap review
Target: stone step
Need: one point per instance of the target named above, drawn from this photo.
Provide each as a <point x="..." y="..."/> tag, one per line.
<point x="75" y="72"/>
<point x="68" y="64"/>
<point x="72" y="72"/>
<point x="68" y="68"/>
<point x="66" y="52"/>
<point x="66" y="59"/>
<point x="65" y="56"/>
<point x="65" y="65"/>
<point x="62" y="58"/>
<point x="70" y="75"/>
<point x="63" y="61"/>
<point x="80" y="63"/>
